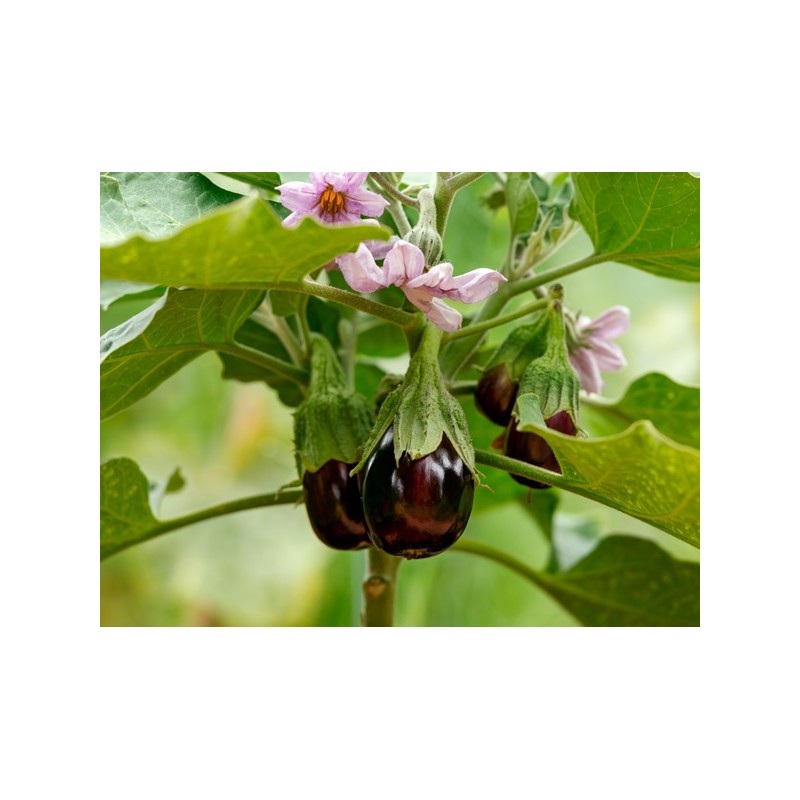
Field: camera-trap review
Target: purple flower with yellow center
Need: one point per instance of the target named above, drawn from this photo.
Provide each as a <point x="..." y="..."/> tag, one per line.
<point x="591" y="351"/>
<point x="331" y="198"/>
<point x="404" y="266"/>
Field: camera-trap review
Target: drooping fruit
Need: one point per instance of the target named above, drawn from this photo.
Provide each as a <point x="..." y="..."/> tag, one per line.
<point x="333" y="503"/>
<point x="416" y="508"/>
<point x="533" y="449"/>
<point x="495" y="394"/>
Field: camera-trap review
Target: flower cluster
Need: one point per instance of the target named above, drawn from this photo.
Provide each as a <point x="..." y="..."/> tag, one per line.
<point x="337" y="199"/>
<point x="404" y="266"/>
<point x="591" y="351"/>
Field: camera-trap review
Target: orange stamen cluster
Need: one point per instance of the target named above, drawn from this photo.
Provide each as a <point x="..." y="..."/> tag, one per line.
<point x="331" y="202"/>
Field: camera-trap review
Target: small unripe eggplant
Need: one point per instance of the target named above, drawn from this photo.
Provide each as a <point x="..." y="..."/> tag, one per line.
<point x="495" y="394"/>
<point x="533" y="449"/>
<point x="416" y="508"/>
<point x="333" y="503"/>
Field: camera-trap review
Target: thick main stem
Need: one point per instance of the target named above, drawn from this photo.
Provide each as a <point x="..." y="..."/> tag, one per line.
<point x="379" y="589"/>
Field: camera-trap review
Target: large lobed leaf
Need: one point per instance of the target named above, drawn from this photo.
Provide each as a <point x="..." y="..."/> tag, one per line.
<point x="650" y="220"/>
<point x="125" y="513"/>
<point x="240" y="245"/>
<point x="144" y="351"/>
<point x="673" y="408"/>
<point x="626" y="581"/>
<point x="154" y="203"/>
<point x="640" y="472"/>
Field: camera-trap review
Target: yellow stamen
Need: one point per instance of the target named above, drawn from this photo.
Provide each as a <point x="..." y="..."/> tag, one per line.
<point x="332" y="202"/>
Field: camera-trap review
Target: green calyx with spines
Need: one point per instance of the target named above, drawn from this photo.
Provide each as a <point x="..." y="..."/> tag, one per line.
<point x="422" y="411"/>
<point x="521" y="346"/>
<point x="333" y="422"/>
<point x="550" y="378"/>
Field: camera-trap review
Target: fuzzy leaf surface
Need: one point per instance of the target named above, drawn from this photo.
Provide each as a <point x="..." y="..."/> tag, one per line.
<point x="144" y="351"/>
<point x="673" y="408"/>
<point x="154" y="203"/>
<point x="125" y="512"/>
<point x="243" y="245"/>
<point x="649" y="220"/>
<point x="626" y="581"/>
<point x="639" y="472"/>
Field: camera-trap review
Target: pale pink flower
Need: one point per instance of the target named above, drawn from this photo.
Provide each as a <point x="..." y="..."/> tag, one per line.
<point x="593" y="352"/>
<point x="331" y="198"/>
<point x="404" y="266"/>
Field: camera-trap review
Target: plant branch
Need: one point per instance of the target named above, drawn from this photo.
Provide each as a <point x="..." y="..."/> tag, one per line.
<point x="393" y="191"/>
<point x="478" y="549"/>
<point x="462" y="179"/>
<point x="394" y="315"/>
<point x="379" y="589"/>
<point x="526" y="284"/>
<point x="231" y="507"/>
<point x="488" y="324"/>
<point x="276" y="365"/>
<point x="521" y="468"/>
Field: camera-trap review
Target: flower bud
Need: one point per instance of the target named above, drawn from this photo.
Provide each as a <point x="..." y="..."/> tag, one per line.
<point x="425" y="235"/>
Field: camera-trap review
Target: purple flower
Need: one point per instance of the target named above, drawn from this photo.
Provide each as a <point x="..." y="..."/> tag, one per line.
<point x="593" y="352"/>
<point x="332" y="198"/>
<point x="404" y="266"/>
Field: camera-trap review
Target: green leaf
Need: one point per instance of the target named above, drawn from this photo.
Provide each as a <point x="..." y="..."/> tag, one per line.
<point x="523" y="205"/>
<point x="674" y="409"/>
<point x="242" y="245"/>
<point x="125" y="512"/>
<point x="649" y="220"/>
<point x="639" y="472"/>
<point x="144" y="351"/>
<point x="261" y="180"/>
<point x="154" y="203"/>
<point x="111" y="291"/>
<point x="626" y="581"/>
<point x="382" y="340"/>
<point x="255" y="336"/>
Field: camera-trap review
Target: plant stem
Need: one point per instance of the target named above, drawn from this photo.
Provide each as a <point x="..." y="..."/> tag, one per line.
<point x="497" y="321"/>
<point x="521" y="468"/>
<point x="302" y="320"/>
<point x="399" y="216"/>
<point x="394" y="315"/>
<point x="276" y="365"/>
<point x="231" y="507"/>
<point x="462" y="179"/>
<point x="462" y="387"/>
<point x="526" y="284"/>
<point x="393" y="191"/>
<point x="379" y="589"/>
<point x="478" y="549"/>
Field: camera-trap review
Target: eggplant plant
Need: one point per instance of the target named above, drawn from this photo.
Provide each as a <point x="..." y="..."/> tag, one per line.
<point x="297" y="282"/>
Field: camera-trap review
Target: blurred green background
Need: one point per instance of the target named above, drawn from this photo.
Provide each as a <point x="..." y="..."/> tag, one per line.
<point x="266" y="567"/>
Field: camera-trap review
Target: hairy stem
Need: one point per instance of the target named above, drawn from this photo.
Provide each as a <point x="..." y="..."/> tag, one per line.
<point x="392" y="190"/>
<point x="521" y="468"/>
<point x="379" y="589"/>
<point x="276" y="365"/>
<point x="527" y="284"/>
<point x="231" y="507"/>
<point x="488" y="324"/>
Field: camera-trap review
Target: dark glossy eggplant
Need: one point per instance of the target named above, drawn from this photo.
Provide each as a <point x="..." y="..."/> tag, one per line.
<point x="418" y="508"/>
<point x="495" y="394"/>
<point x="333" y="503"/>
<point x="533" y="449"/>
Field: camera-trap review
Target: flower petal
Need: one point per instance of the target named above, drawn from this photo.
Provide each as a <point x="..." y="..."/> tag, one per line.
<point x="470" y="288"/>
<point x="587" y="369"/>
<point x="378" y="248"/>
<point x="299" y="196"/>
<point x="610" y="324"/>
<point x="348" y="182"/>
<point x="403" y="263"/>
<point x="361" y="272"/>
<point x="363" y="201"/>
<point x="435" y="310"/>
<point x="607" y="355"/>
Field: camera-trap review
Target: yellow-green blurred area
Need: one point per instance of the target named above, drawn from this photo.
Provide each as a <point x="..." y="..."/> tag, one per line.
<point x="265" y="567"/>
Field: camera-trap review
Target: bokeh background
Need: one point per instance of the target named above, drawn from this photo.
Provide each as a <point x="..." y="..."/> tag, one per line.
<point x="265" y="567"/>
